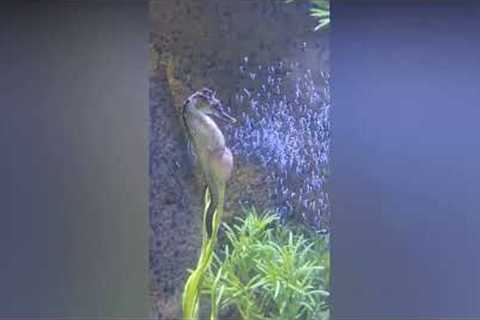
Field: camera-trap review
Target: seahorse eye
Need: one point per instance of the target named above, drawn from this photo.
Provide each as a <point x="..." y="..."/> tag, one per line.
<point x="208" y="92"/>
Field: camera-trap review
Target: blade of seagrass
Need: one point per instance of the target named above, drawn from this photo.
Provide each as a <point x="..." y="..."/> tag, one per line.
<point x="191" y="293"/>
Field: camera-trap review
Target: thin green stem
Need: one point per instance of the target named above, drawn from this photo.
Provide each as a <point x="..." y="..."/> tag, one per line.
<point x="191" y="293"/>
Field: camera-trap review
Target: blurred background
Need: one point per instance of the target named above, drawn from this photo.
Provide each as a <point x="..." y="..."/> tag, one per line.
<point x="73" y="165"/>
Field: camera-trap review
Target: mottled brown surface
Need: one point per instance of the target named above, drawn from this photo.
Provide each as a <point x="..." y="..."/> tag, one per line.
<point x="174" y="204"/>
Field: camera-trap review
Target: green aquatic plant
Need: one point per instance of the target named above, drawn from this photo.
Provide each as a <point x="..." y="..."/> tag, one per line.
<point x="191" y="293"/>
<point x="216" y="162"/>
<point x="266" y="271"/>
<point x="321" y="11"/>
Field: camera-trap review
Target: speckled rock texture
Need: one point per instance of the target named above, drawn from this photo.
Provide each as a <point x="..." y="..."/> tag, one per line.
<point x="271" y="69"/>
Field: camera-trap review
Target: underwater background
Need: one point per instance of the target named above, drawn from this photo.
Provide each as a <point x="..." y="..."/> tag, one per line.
<point x="271" y="70"/>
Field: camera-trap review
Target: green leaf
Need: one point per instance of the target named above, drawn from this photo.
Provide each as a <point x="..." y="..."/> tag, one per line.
<point x="322" y="24"/>
<point x="277" y="289"/>
<point x="272" y="273"/>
